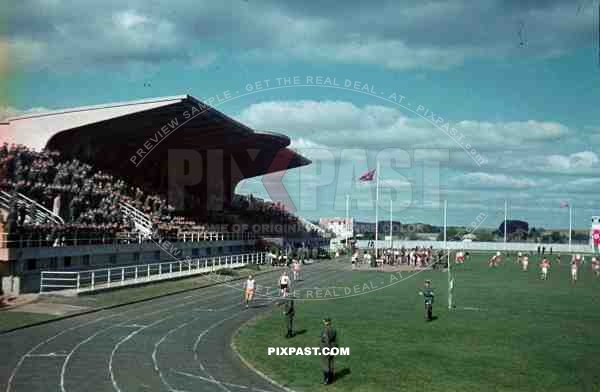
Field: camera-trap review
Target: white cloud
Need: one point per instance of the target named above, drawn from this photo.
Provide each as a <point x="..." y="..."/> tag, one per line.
<point x="129" y="19"/>
<point x="579" y="160"/>
<point x="343" y="124"/>
<point x="487" y="180"/>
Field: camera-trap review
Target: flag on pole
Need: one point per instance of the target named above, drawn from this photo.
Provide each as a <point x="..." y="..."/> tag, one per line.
<point x="564" y="204"/>
<point x="368" y="176"/>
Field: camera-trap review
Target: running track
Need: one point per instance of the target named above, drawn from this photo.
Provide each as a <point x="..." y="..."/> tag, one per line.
<point x="175" y="343"/>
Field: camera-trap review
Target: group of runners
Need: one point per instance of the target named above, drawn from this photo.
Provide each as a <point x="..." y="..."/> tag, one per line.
<point x="284" y="283"/>
<point x="577" y="261"/>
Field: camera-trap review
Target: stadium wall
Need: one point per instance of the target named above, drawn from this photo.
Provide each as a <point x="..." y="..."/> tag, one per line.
<point x="27" y="263"/>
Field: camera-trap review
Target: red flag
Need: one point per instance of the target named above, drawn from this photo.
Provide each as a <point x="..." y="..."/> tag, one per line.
<point x="368" y="176"/>
<point x="564" y="204"/>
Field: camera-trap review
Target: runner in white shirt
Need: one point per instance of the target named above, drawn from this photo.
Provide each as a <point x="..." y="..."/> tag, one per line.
<point x="249" y="292"/>
<point x="525" y="262"/>
<point x="284" y="284"/>
<point x="296" y="270"/>
<point x="574" y="266"/>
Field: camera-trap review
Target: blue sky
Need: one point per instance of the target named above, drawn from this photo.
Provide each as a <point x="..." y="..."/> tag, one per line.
<point x="528" y="111"/>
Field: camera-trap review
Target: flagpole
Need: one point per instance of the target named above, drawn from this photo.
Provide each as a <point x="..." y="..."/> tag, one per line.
<point x="450" y="282"/>
<point x="445" y="222"/>
<point x="505" y="222"/>
<point x="391" y="232"/>
<point x="570" y="224"/>
<point x="377" y="212"/>
<point x="347" y="218"/>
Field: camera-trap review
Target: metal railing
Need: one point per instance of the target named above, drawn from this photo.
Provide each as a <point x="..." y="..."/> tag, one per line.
<point x="104" y="278"/>
<point x="192" y="236"/>
<point x="41" y="240"/>
<point x="140" y="220"/>
<point x="35" y="211"/>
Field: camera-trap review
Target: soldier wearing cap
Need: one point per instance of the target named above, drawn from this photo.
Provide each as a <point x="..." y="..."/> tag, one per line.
<point x="289" y="313"/>
<point x="428" y="295"/>
<point x="329" y="340"/>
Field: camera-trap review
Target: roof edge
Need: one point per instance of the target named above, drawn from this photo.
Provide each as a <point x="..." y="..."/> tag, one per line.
<point x="101" y="106"/>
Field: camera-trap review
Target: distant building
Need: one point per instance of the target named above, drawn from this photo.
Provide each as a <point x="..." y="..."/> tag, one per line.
<point x="341" y="227"/>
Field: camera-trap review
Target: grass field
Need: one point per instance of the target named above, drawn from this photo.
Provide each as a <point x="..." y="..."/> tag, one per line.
<point x="16" y="319"/>
<point x="510" y="331"/>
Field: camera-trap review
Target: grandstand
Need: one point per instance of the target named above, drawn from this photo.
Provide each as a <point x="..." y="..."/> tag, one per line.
<point x="81" y="187"/>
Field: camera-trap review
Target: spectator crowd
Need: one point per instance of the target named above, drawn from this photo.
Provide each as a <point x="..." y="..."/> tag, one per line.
<point x="88" y="201"/>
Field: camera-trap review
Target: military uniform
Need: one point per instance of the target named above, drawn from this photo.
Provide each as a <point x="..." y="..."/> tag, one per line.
<point x="428" y="296"/>
<point x="328" y="339"/>
<point x="290" y="312"/>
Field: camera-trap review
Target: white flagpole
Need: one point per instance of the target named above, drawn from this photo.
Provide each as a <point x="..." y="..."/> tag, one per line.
<point x="450" y="283"/>
<point x="347" y="218"/>
<point x="445" y="221"/>
<point x="391" y="232"/>
<point x="570" y="224"/>
<point x="505" y="222"/>
<point x="376" y="211"/>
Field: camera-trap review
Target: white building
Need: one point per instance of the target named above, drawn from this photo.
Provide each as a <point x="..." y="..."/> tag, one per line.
<point x="342" y="228"/>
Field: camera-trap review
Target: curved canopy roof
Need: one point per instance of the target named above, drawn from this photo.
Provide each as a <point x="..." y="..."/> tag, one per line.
<point x="127" y="135"/>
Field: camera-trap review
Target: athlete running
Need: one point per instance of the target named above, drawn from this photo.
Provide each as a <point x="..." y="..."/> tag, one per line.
<point x="249" y="292"/>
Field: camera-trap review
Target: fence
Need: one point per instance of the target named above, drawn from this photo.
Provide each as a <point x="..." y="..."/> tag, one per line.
<point x="478" y="246"/>
<point x="40" y="240"/>
<point x="99" y="279"/>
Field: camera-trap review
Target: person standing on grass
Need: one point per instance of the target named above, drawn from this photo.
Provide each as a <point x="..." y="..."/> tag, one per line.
<point x="328" y="340"/>
<point x="428" y="296"/>
<point x="574" y="267"/>
<point x="289" y="312"/>
<point x="545" y="266"/>
<point x="525" y="262"/>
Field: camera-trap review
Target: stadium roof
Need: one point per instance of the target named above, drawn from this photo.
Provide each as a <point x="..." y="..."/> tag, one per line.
<point x="135" y="137"/>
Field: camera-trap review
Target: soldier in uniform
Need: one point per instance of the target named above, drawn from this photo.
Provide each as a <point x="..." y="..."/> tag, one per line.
<point x="329" y="340"/>
<point x="289" y="312"/>
<point x="428" y="295"/>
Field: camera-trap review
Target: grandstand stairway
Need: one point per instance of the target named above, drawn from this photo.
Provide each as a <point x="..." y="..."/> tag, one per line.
<point x="141" y="222"/>
<point x="36" y="212"/>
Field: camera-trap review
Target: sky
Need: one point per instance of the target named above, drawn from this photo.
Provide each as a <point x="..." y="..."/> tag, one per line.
<point x="473" y="102"/>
